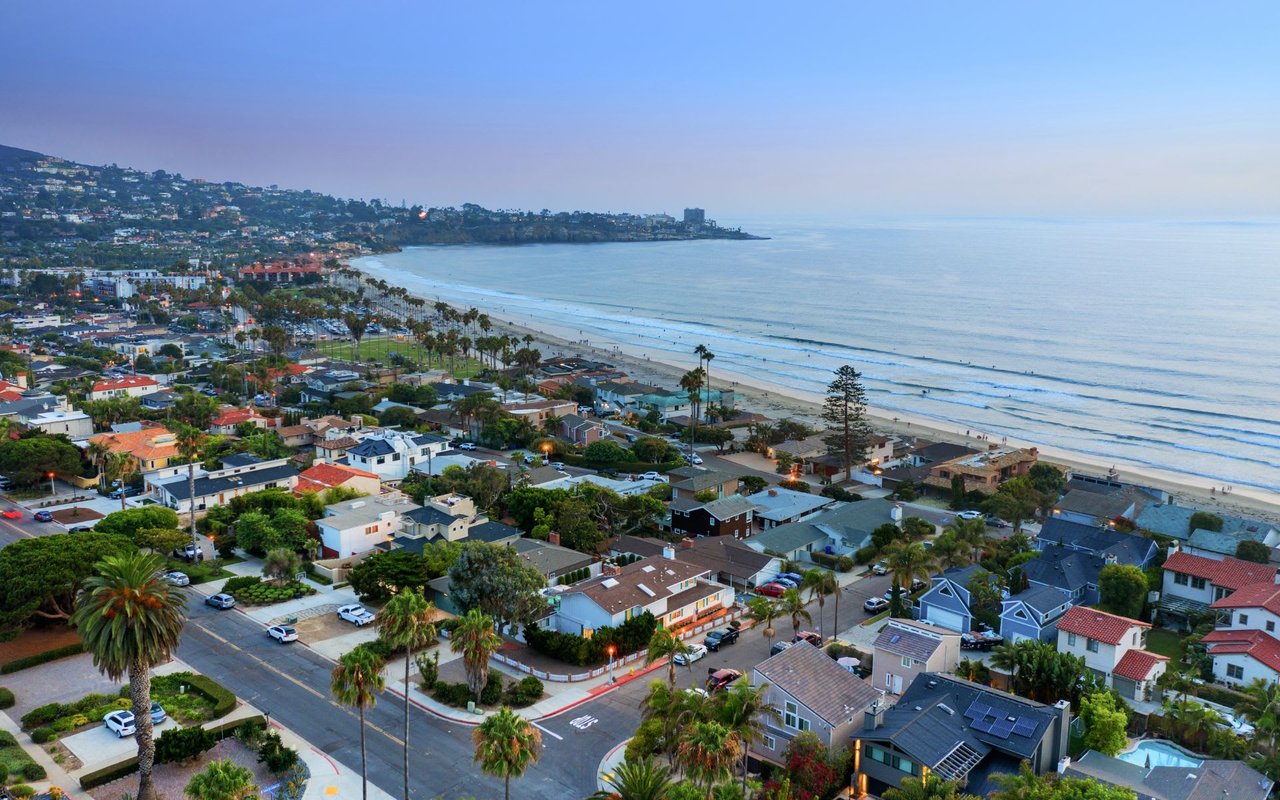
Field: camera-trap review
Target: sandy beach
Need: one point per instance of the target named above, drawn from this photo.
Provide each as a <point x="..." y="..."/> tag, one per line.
<point x="759" y="398"/>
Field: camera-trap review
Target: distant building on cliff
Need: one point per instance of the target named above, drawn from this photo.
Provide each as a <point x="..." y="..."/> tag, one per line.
<point x="695" y="216"/>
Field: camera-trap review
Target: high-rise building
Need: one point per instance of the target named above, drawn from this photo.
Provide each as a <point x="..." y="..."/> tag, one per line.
<point x="695" y="216"/>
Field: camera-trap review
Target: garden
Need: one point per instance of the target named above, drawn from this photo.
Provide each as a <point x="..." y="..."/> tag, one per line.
<point x="253" y="591"/>
<point x="496" y="691"/>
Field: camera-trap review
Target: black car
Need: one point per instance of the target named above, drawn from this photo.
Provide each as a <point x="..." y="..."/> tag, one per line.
<point x="723" y="636"/>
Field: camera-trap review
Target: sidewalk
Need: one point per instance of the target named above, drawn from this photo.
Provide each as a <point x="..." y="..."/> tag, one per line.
<point x="329" y="779"/>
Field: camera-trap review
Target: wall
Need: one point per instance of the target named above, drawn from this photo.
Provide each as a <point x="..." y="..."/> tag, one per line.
<point x="1252" y="669"/>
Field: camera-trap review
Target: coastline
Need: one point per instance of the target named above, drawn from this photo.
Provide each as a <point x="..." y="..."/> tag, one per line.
<point x="757" y="396"/>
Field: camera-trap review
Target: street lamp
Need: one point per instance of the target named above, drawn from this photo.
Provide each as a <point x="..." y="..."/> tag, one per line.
<point x="610" y="650"/>
<point x="51" y="484"/>
<point x="546" y="451"/>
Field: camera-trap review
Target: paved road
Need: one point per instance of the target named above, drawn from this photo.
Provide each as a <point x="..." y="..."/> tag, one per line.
<point x="292" y="683"/>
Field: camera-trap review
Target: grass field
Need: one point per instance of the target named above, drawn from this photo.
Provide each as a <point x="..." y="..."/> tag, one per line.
<point x="381" y="349"/>
<point x="1166" y="643"/>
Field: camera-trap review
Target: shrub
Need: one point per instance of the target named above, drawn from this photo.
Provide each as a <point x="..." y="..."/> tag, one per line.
<point x="249" y="731"/>
<point x="43" y="735"/>
<point x="839" y="494"/>
<point x="452" y="694"/>
<point x="838" y="563"/>
<point x="43" y="715"/>
<point x="492" y="691"/>
<point x="428" y="669"/>
<point x="274" y="755"/>
<point x="42" y="658"/>
<point x="7" y="740"/>
<point x="525" y="693"/>
<point x="234" y="585"/>
<point x="183" y="744"/>
<point x="21" y="790"/>
<point x="630" y="636"/>
<point x="32" y="771"/>
<point x="6" y="698"/>
<point x="865" y="555"/>
<point x="796" y="486"/>
<point x="223" y="700"/>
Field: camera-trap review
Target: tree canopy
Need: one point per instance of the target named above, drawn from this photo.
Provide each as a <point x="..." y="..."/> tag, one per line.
<point x="845" y="412"/>
<point x="1104" y="723"/>
<point x="1122" y="590"/>
<point x="40" y="577"/>
<point x="29" y="461"/>
<point x="494" y="579"/>
<point x="129" y="521"/>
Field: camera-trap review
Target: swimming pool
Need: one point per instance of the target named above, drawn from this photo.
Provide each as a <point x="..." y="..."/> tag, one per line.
<point x="1160" y="753"/>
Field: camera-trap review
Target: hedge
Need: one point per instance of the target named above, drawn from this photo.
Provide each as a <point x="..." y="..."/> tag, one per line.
<point x="98" y="777"/>
<point x="183" y="744"/>
<point x="224" y="702"/>
<point x="21" y="790"/>
<point x="630" y="636"/>
<point x="574" y="576"/>
<point x="6" y="698"/>
<point x="43" y="735"/>
<point x="838" y="563"/>
<point x="42" y="658"/>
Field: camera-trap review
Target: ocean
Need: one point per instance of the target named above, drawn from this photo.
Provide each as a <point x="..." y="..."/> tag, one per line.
<point x="1141" y="344"/>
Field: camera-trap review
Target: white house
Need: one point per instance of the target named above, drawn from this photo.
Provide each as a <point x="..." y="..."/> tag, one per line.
<point x="358" y="526"/>
<point x="240" y="474"/>
<point x="1244" y="644"/>
<point x="1193" y="582"/>
<point x="675" y="592"/>
<point x="127" y="386"/>
<point x="392" y="454"/>
<point x="1112" y="648"/>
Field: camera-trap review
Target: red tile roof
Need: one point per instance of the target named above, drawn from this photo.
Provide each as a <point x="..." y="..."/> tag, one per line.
<point x="1136" y="665"/>
<point x="1261" y="647"/>
<point x="1230" y="573"/>
<point x="235" y="416"/>
<point x="1255" y="595"/>
<point x="127" y="382"/>
<point x="334" y="474"/>
<point x="1109" y="628"/>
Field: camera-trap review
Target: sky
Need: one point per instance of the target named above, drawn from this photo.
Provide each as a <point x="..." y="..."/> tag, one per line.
<point x="1099" y="109"/>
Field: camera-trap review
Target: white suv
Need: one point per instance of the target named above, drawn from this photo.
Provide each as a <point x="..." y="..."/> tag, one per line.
<point x="120" y="723"/>
<point x="356" y="614"/>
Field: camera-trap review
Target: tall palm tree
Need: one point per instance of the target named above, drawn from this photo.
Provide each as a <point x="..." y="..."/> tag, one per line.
<point x="476" y="639"/>
<point x="664" y="644"/>
<point x="121" y="467"/>
<point x="1261" y="707"/>
<point x="820" y="583"/>
<point x="972" y="533"/>
<point x="792" y="605"/>
<point x="506" y="745"/>
<point x="744" y="711"/>
<point x="639" y="780"/>
<point x="931" y="787"/>
<point x="691" y="382"/>
<point x="190" y="441"/>
<point x="706" y="752"/>
<point x="407" y="621"/>
<point x="131" y="620"/>
<point x="357" y="681"/>
<point x="98" y="452"/>
<point x="908" y="561"/>
<point x="763" y="611"/>
<point x="949" y="551"/>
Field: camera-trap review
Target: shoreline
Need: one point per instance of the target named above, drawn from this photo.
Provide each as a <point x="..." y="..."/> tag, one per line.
<point x="769" y="401"/>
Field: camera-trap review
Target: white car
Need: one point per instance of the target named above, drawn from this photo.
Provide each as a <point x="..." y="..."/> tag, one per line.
<point x="559" y="465"/>
<point x="970" y="515"/>
<point x="880" y="568"/>
<point x="467" y="446"/>
<point x="649" y="476"/>
<point x="696" y="651"/>
<point x="177" y="578"/>
<point x="356" y="614"/>
<point x="695" y="459"/>
<point x="282" y="633"/>
<point x="120" y="723"/>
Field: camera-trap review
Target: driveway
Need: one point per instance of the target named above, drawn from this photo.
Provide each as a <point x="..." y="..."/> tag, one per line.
<point x="65" y="681"/>
<point x="98" y="745"/>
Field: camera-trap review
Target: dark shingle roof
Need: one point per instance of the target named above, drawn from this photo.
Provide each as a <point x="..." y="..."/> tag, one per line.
<point x="207" y="486"/>
<point x="430" y="515"/>
<point x="1067" y="569"/>
<point x="815" y="679"/>
<point x="372" y="447"/>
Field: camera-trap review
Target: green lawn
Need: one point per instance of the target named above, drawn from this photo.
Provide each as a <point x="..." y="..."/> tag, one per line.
<point x="380" y="348"/>
<point x="1166" y="643"/>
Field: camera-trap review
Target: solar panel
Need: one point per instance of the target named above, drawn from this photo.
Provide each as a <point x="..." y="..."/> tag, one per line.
<point x="977" y="710"/>
<point x="1024" y="726"/>
<point x="1002" y="728"/>
<point x="982" y="725"/>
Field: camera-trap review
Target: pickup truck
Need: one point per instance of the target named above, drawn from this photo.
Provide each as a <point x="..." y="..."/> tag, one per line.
<point x="357" y="615"/>
<point x="722" y="636"/>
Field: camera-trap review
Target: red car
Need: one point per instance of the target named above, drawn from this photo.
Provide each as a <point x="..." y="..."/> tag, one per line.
<point x="808" y="636"/>
<point x="771" y="590"/>
<point x="719" y="678"/>
<point x="11" y="513"/>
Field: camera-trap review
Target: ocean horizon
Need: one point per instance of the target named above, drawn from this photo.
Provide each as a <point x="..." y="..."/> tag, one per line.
<point x="1150" y="344"/>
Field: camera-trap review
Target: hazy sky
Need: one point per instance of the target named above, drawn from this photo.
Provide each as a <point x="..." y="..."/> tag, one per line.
<point x="1018" y="108"/>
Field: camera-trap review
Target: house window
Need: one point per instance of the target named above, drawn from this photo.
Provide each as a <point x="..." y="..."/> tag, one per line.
<point x="1197" y="583"/>
<point x="792" y="719"/>
<point x="1020" y="614"/>
<point x="1271" y="626"/>
<point x="370" y="530"/>
<point x="1180" y="578"/>
<point x="945" y="590"/>
<point x="395" y="456"/>
<point x="906" y="661"/>
<point x="1244" y="619"/>
<point x="1091" y="646"/>
<point x="1235" y="671"/>
<point x="1071" y="640"/>
<point x="770" y="743"/>
<point x="381" y="460"/>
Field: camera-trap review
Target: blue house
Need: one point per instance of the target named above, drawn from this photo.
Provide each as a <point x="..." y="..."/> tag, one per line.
<point x="1072" y="571"/>
<point x="1125" y="548"/>
<point x="1033" y="614"/>
<point x="946" y="604"/>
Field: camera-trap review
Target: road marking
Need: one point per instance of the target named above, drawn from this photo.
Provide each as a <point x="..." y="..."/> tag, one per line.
<point x="547" y="732"/>
<point x="296" y="682"/>
<point x="583" y="722"/>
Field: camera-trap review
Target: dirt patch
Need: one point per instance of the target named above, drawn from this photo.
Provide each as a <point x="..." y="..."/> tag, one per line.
<point x="171" y="779"/>
<point x="62" y="756"/>
<point x="37" y="640"/>
<point x="78" y="515"/>
<point x="326" y="626"/>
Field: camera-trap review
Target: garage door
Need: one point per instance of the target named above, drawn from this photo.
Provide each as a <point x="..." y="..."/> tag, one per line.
<point x="1125" y="688"/>
<point x="946" y="619"/>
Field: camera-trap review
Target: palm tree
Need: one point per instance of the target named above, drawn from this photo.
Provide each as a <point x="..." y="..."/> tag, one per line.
<point x="357" y="681"/>
<point x="972" y="533"/>
<point x="820" y="583"/>
<point x="190" y="441"/>
<point x="98" y="452"/>
<point x="506" y="745"/>
<point x="743" y="710"/>
<point x="949" y="551"/>
<point x="763" y="611"/>
<point x="706" y="752"/>
<point x="121" y="467"/>
<point x="131" y="621"/>
<point x="792" y="605"/>
<point x="1016" y="787"/>
<point x="640" y="780"/>
<point x="407" y="621"/>
<point x="930" y="787"/>
<point x="664" y="644"/>
<point x="476" y="639"/>
<point x="907" y="561"/>
<point x="691" y="382"/>
<point x="1261" y="707"/>
<point x="222" y="780"/>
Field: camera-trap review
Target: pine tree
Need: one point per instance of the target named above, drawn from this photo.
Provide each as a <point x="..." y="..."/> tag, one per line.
<point x="845" y="412"/>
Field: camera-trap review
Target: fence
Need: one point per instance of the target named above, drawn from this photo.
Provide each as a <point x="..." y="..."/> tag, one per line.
<point x="618" y="663"/>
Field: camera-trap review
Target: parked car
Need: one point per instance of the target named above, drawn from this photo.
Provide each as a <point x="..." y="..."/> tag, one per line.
<point x="786" y="582"/>
<point x="121" y="723"/>
<point x="722" y="636"/>
<point x="42" y="516"/>
<point x="916" y="585"/>
<point x="696" y="651"/>
<point x="158" y="714"/>
<point x="695" y="459"/>
<point x="557" y="465"/>
<point x="176" y="578"/>
<point x="11" y="513"/>
<point x="356" y="614"/>
<point x="971" y="514"/>
<point x="649" y="476"/>
<point x="996" y="522"/>
<point x="778" y="647"/>
<point x="808" y="636"/>
<point x="80" y="529"/>
<point x="720" y="678"/>
<point x="771" y="590"/>
<point x="126" y="491"/>
<point x="875" y="605"/>
<point x="880" y="568"/>
<point x="794" y="577"/>
<point x="221" y="601"/>
<point x="467" y="446"/>
<point x="282" y="633"/>
<point x="189" y="553"/>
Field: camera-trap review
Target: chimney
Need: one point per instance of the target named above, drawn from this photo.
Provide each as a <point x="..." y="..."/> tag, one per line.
<point x="874" y="717"/>
<point x="553" y="537"/>
<point x="687" y="544"/>
<point x="669" y="552"/>
<point x="895" y="514"/>
<point x="1063" y="763"/>
<point x="22" y="379"/>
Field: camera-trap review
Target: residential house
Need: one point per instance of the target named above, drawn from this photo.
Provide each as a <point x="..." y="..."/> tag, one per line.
<point x="686" y="482"/>
<point x="1174" y="522"/>
<point x="775" y="506"/>
<point x="811" y="694"/>
<point x="580" y="430"/>
<point x="1210" y="779"/>
<point x="240" y="474"/>
<point x="162" y="400"/>
<point x="621" y="487"/>
<point x="538" y="412"/>
<point x="1244" y="645"/>
<point x="1112" y="647"/>
<point x="295" y="436"/>
<point x="960" y="731"/>
<point x="358" y="526"/>
<point x="228" y="421"/>
<point x="1073" y="571"/>
<point x="321" y="476"/>
<point x="151" y="446"/>
<point x="675" y="592"/>
<point x="332" y="450"/>
<point x="729" y="561"/>
<point x="1130" y="549"/>
<point x="448" y="392"/>
<point x="552" y="560"/>
<point x="1033" y="614"/>
<point x="831" y="465"/>
<point x="906" y="648"/>
<point x="392" y="454"/>
<point x="49" y="413"/>
<point x="1087" y="507"/>
<point x="1193" y="582"/>
<point x="724" y="516"/>
<point x="799" y="449"/>
<point x="915" y="464"/>
<point x="127" y="386"/>
<point x="453" y="518"/>
<point x="984" y="471"/>
<point x="839" y="530"/>
<point x="947" y="603"/>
